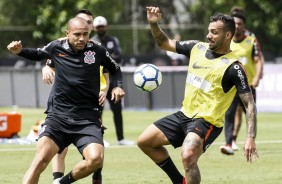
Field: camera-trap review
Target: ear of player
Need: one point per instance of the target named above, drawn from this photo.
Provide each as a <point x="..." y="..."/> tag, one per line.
<point x="147" y="77"/>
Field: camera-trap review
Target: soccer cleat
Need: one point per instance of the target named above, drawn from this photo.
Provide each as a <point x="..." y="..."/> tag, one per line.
<point x="126" y="142"/>
<point x="184" y="180"/>
<point x="57" y="181"/>
<point x="227" y="150"/>
<point x="106" y="143"/>
<point x="234" y="146"/>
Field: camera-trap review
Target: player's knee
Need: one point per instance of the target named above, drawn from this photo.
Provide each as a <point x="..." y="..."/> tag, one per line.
<point x="144" y="143"/>
<point x="95" y="162"/>
<point x="151" y="138"/>
<point x="189" y="156"/>
<point x="41" y="162"/>
<point x="140" y="141"/>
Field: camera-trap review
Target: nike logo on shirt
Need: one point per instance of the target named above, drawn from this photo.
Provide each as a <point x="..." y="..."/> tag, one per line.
<point x="62" y="55"/>
<point x="195" y="66"/>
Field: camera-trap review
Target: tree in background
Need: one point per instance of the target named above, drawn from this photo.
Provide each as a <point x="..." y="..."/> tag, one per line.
<point x="44" y="20"/>
<point x="17" y="22"/>
<point x="263" y="18"/>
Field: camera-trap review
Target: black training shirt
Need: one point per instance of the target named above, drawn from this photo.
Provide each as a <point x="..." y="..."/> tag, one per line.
<point x="75" y="92"/>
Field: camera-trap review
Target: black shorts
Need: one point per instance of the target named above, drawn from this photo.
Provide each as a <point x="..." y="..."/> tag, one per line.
<point x="65" y="131"/>
<point x="176" y="126"/>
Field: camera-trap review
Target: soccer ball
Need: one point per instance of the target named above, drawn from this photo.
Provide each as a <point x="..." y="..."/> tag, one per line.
<point x="147" y="77"/>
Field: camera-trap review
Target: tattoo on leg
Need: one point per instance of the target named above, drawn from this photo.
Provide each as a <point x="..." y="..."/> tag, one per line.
<point x="192" y="171"/>
<point x="192" y="143"/>
<point x="193" y="175"/>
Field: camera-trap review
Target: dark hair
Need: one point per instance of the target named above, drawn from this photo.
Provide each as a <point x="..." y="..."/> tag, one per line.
<point x="229" y="23"/>
<point x="84" y="11"/>
<point x="239" y="15"/>
<point x="236" y="9"/>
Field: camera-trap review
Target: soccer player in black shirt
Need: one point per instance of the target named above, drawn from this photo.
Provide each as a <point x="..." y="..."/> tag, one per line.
<point x="48" y="73"/>
<point x="73" y="104"/>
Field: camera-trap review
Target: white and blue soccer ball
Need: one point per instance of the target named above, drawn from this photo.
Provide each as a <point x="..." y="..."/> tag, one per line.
<point x="147" y="77"/>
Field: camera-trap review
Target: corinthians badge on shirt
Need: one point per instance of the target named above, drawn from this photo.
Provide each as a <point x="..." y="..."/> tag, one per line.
<point x="89" y="57"/>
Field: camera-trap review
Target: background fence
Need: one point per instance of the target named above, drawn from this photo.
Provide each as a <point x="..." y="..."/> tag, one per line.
<point x="24" y="87"/>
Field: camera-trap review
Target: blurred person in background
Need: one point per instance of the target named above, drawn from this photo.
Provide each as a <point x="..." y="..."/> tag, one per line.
<point x="111" y="43"/>
<point x="239" y="111"/>
<point x="246" y="46"/>
<point x="211" y="84"/>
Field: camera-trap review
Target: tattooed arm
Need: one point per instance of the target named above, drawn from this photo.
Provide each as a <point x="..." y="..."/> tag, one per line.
<point x="251" y="112"/>
<point x="161" y="39"/>
<point x="236" y="75"/>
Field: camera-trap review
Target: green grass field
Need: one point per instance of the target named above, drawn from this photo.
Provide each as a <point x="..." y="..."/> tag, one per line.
<point x="128" y="165"/>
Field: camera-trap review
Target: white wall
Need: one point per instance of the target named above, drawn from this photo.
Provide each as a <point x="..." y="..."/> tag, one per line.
<point x="269" y="91"/>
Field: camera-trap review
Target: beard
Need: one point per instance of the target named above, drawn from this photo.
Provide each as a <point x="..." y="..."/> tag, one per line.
<point x="212" y="45"/>
<point x="216" y="45"/>
<point x="101" y="33"/>
<point x="238" y="33"/>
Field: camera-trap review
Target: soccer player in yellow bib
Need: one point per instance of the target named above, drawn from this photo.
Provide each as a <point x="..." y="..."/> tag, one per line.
<point x="246" y="47"/>
<point x="239" y="111"/>
<point x="211" y="84"/>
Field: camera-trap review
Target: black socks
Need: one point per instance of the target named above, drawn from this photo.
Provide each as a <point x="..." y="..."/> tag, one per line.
<point x="97" y="176"/>
<point x="57" y="175"/>
<point x="170" y="169"/>
<point x="67" y="179"/>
